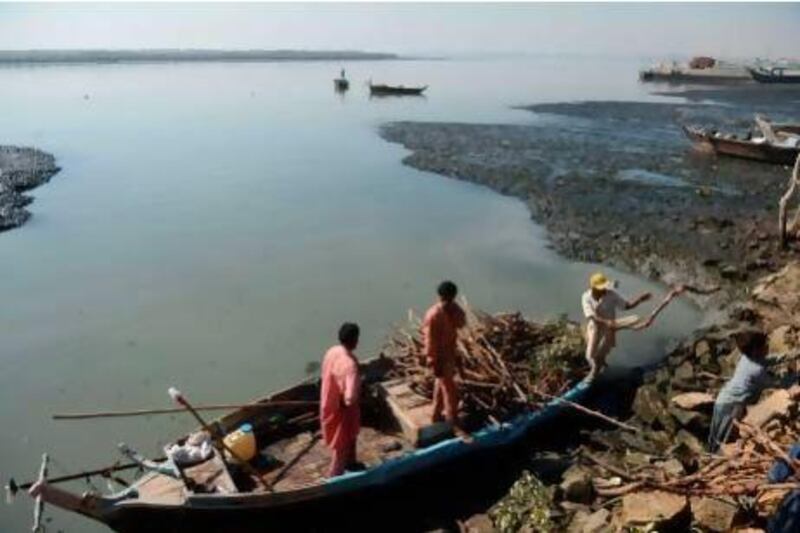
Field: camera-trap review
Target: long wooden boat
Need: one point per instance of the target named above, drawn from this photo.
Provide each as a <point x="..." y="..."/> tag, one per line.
<point x="397" y="443"/>
<point x="775" y="75"/>
<point x="756" y="149"/>
<point x="386" y="90"/>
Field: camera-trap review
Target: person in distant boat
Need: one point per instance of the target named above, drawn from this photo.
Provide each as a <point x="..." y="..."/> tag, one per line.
<point x="440" y="334"/>
<point x="600" y="304"/>
<point x="747" y="382"/>
<point x="340" y="413"/>
<point x="341" y="75"/>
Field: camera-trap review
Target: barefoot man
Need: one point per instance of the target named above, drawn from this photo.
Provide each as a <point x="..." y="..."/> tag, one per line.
<point x="440" y="332"/>
<point x="340" y="414"/>
<point x="600" y="304"/>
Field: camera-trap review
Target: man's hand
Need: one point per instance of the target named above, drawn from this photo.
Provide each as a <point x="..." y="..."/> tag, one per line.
<point x="677" y="290"/>
<point x="638" y="300"/>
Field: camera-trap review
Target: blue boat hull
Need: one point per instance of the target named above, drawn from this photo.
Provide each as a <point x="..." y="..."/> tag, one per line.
<point x="239" y="512"/>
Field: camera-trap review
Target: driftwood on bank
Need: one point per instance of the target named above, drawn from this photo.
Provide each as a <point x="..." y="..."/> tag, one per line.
<point x="784" y="203"/>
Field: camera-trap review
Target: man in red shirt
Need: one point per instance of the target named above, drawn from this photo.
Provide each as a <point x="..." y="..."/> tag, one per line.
<point x="340" y="414"/>
<point x="440" y="333"/>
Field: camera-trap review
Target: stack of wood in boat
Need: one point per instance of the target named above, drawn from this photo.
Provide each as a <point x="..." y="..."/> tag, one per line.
<point x="508" y="362"/>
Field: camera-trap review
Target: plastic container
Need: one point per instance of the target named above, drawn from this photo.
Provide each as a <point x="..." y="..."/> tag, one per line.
<point x="242" y="442"/>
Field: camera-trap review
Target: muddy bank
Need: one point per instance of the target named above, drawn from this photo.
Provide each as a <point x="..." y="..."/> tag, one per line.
<point x="21" y="169"/>
<point x="617" y="182"/>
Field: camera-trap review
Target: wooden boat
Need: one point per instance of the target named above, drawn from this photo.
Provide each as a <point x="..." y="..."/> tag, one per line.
<point x="775" y="75"/>
<point x="397" y="90"/>
<point x="754" y="148"/>
<point x="397" y="443"/>
<point x="792" y="129"/>
<point x="341" y="84"/>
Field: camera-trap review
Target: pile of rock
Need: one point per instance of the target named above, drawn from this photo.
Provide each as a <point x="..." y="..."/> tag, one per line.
<point x="21" y="169"/>
<point x="661" y="477"/>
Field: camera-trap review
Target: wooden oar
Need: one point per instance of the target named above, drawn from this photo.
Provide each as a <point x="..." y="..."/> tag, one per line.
<point x="218" y="439"/>
<point x="12" y="487"/>
<point x="171" y="410"/>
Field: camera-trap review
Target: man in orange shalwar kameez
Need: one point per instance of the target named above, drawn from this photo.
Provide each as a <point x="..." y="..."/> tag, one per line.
<point x="440" y="332"/>
<point x="340" y="414"/>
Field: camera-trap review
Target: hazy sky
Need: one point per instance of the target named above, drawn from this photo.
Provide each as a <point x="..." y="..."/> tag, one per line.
<point x="609" y="29"/>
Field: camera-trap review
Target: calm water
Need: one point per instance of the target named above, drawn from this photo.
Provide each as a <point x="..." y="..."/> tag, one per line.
<point x="213" y="224"/>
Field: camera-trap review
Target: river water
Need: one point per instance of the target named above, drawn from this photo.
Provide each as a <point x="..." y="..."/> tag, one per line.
<point x="213" y="224"/>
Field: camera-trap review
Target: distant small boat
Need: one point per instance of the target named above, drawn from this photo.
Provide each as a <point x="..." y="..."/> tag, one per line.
<point x="381" y="90"/>
<point x="775" y="75"/>
<point x="341" y="84"/>
<point x="753" y="148"/>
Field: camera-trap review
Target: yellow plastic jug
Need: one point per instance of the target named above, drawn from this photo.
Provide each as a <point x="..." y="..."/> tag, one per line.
<point x="242" y="442"/>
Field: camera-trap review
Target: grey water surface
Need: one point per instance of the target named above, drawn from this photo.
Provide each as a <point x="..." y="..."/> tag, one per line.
<point x="214" y="223"/>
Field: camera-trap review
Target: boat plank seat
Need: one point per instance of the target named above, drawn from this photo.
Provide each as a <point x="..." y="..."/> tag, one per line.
<point x="413" y="413"/>
<point x="312" y="458"/>
<point x="160" y="489"/>
<point x="211" y="476"/>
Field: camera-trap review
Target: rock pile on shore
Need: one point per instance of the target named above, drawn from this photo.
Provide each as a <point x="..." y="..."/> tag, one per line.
<point x="21" y="169"/>
<point x="660" y="477"/>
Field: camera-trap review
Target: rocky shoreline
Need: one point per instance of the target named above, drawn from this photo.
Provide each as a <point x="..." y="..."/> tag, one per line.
<point x="657" y="476"/>
<point x="616" y="182"/>
<point x="21" y="169"/>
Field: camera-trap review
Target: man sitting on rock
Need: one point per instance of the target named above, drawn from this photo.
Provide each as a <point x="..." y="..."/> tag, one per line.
<point x="600" y="304"/>
<point x="749" y="379"/>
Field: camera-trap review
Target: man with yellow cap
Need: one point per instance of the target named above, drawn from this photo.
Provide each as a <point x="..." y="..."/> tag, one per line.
<point x="600" y="304"/>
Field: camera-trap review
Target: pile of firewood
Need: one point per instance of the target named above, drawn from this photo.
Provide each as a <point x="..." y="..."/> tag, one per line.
<point x="736" y="476"/>
<point x="507" y="363"/>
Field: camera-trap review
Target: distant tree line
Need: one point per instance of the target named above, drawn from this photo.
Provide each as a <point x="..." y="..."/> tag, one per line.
<point x="115" y="56"/>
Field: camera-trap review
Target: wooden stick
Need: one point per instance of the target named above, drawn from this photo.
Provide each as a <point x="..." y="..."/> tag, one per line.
<point x="87" y="473"/>
<point x="294" y="460"/>
<point x="218" y="440"/>
<point x="144" y="412"/>
<point x="611" y="468"/>
<point x="784" y="201"/>
<point x="676" y="291"/>
<point x="588" y="411"/>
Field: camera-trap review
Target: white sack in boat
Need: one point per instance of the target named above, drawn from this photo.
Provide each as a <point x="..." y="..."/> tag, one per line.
<point x="196" y="449"/>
